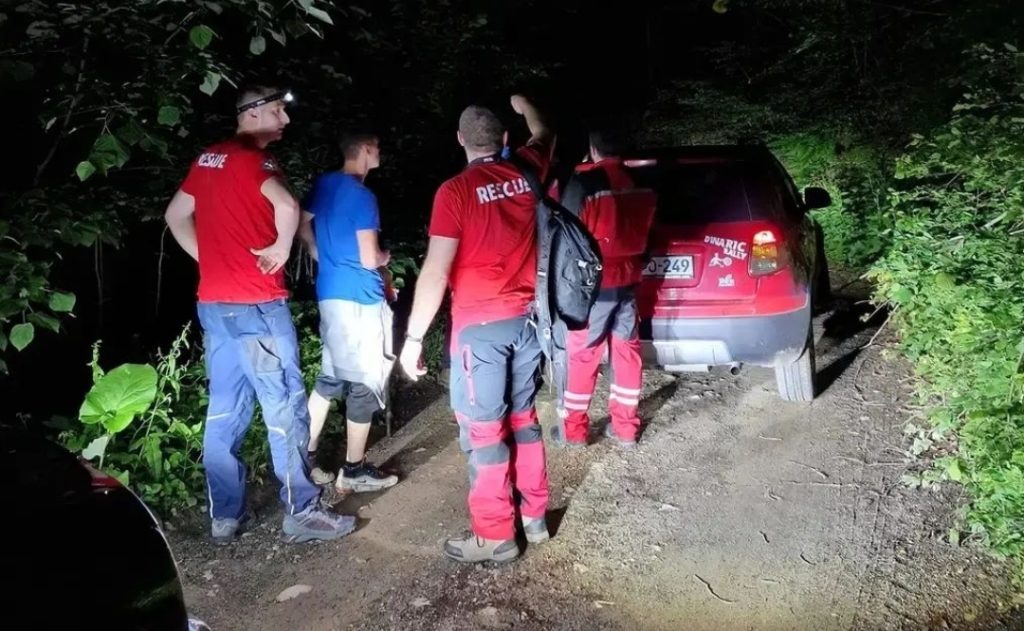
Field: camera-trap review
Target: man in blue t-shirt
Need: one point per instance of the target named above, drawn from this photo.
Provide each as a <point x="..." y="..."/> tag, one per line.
<point x="340" y="227"/>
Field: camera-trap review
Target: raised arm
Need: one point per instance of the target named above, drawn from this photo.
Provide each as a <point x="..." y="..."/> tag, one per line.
<point x="539" y="129"/>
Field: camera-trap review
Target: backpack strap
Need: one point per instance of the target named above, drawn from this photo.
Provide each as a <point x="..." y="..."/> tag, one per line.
<point x="536" y="186"/>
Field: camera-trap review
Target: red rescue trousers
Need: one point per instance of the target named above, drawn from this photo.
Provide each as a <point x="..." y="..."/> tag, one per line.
<point x="495" y="369"/>
<point x="613" y="325"/>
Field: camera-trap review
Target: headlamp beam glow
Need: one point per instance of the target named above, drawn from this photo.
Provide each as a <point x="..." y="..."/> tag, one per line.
<point x="285" y="96"/>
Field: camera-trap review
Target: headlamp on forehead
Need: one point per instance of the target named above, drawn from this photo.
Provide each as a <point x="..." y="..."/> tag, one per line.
<point x="286" y="96"/>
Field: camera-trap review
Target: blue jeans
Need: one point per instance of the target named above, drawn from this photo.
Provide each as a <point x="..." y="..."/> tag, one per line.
<point x="252" y="353"/>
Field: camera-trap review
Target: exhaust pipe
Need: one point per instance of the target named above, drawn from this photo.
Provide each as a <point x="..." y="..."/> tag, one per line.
<point x="734" y="369"/>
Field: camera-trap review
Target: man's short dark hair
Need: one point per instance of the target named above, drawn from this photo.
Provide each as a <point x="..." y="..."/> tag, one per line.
<point x="351" y="142"/>
<point x="252" y="92"/>
<point x="609" y="139"/>
<point x="481" y="129"/>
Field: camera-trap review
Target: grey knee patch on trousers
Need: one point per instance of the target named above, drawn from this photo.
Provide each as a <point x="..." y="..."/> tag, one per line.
<point x="360" y="402"/>
<point x="330" y="387"/>
<point x="528" y="434"/>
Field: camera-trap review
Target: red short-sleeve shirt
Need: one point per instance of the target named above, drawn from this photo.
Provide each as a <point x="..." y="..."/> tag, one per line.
<point x="232" y="217"/>
<point x="491" y="210"/>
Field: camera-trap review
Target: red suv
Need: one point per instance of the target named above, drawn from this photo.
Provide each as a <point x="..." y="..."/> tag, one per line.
<point x="736" y="264"/>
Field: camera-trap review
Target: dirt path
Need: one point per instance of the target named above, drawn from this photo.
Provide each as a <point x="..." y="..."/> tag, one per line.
<point x="739" y="512"/>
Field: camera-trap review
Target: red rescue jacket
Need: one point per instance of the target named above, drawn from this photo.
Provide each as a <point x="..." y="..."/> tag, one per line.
<point x="619" y="214"/>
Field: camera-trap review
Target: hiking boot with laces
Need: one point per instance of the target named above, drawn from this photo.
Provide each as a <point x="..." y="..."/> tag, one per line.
<point x="224" y="530"/>
<point x="472" y="549"/>
<point x="363" y="478"/>
<point x="535" y="529"/>
<point x="559" y="441"/>
<point x="621" y="442"/>
<point x="316" y="523"/>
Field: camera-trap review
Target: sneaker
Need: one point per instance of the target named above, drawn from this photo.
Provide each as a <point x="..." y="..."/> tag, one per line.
<point x="364" y="478"/>
<point x="316" y="523"/>
<point x="472" y="549"/>
<point x="321" y="477"/>
<point x="558" y="441"/>
<point x="223" y="530"/>
<point x="621" y="442"/>
<point x="536" y="529"/>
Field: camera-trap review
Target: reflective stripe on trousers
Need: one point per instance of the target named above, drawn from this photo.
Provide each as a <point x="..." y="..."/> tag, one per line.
<point x="252" y="354"/>
<point x="613" y="325"/>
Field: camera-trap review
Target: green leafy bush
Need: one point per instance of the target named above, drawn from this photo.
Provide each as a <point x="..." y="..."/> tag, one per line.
<point x="99" y="118"/>
<point x="954" y="278"/>
<point x="855" y="174"/>
<point x="143" y="424"/>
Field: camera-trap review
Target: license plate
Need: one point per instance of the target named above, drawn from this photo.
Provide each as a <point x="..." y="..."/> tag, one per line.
<point x="670" y="267"/>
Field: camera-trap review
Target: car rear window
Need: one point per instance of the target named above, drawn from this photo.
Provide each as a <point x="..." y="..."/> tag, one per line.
<point x="712" y="192"/>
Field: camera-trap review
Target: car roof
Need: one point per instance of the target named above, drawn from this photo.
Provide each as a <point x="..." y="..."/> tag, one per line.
<point x="700" y="153"/>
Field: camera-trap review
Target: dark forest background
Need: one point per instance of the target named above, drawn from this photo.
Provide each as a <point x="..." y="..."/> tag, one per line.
<point x="910" y="112"/>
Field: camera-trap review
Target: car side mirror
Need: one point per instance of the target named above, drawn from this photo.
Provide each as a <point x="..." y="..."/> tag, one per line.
<point x="816" y="197"/>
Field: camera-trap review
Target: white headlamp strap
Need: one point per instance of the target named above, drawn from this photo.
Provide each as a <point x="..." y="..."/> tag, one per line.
<point x="285" y="96"/>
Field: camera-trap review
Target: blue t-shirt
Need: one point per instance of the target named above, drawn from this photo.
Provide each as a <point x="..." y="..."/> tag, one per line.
<point x="341" y="206"/>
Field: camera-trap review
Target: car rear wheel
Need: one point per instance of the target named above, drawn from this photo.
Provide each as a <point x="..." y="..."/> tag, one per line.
<point x="796" y="380"/>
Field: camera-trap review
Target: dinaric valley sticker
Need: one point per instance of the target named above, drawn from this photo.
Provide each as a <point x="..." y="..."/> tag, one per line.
<point x="730" y="247"/>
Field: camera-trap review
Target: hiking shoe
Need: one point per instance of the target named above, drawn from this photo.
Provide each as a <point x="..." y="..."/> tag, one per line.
<point x="316" y="523"/>
<point x="321" y="477"/>
<point x="536" y="529"/>
<point x="223" y="530"/>
<point x="621" y="442"/>
<point x="472" y="549"/>
<point x="558" y="441"/>
<point x="364" y="478"/>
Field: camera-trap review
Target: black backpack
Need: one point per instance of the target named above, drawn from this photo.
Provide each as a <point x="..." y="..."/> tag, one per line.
<point x="569" y="263"/>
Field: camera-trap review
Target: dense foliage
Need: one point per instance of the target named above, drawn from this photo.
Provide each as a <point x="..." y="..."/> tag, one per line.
<point x="954" y="279"/>
<point x="909" y="112"/>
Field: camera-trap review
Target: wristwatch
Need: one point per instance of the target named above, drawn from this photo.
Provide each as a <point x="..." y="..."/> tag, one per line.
<point x="413" y="338"/>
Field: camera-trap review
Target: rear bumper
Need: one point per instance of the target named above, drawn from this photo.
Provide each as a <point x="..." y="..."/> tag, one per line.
<point x="679" y="344"/>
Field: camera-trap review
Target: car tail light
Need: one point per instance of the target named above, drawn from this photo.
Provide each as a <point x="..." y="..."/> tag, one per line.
<point x="637" y="163"/>
<point x="765" y="254"/>
<point x="100" y="480"/>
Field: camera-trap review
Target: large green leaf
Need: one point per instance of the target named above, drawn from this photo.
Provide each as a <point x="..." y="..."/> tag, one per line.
<point x="84" y="170"/>
<point x="131" y="133"/>
<point x="96" y="448"/>
<point x="201" y="36"/>
<point x="21" y="335"/>
<point x="279" y="37"/>
<point x="257" y="45"/>
<point x="320" y="14"/>
<point x="210" y="83"/>
<point x="168" y="115"/>
<point x="108" y="152"/>
<point x="62" y="302"/>
<point x="119" y="396"/>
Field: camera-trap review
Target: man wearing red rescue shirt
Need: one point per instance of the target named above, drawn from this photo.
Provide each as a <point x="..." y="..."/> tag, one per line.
<point x="235" y="217"/>
<point x="483" y="244"/>
<point x="619" y="212"/>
